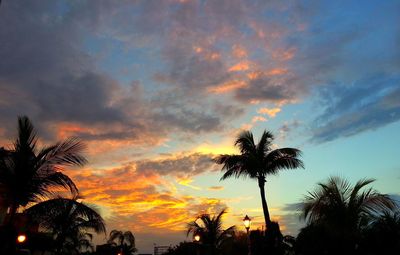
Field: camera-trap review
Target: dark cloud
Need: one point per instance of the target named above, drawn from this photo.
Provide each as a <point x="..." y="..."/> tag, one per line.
<point x="185" y="165"/>
<point x="268" y="89"/>
<point x="367" y="104"/>
<point x="49" y="76"/>
<point x="46" y="74"/>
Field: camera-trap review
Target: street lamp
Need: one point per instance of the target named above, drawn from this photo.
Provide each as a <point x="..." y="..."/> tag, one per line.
<point x="247" y="223"/>
<point x="21" y="238"/>
<point x="197" y="243"/>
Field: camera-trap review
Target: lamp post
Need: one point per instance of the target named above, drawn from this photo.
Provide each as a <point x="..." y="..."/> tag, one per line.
<point x="247" y="223"/>
<point x="197" y="241"/>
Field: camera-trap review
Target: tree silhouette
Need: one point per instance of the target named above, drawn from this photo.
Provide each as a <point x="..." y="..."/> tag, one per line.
<point x="382" y="236"/>
<point x="256" y="161"/>
<point x="28" y="174"/>
<point x="209" y="228"/>
<point x="68" y="220"/>
<point x="124" y="242"/>
<point x="337" y="213"/>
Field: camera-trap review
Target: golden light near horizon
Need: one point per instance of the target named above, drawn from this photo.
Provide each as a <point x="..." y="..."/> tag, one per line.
<point x="216" y="149"/>
<point x="197" y="237"/>
<point x="21" y="238"/>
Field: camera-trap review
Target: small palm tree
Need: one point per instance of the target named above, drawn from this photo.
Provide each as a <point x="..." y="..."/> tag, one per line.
<point x="256" y="161"/>
<point x="210" y="230"/>
<point x="124" y="242"/>
<point x="68" y="220"/>
<point x="27" y="174"/>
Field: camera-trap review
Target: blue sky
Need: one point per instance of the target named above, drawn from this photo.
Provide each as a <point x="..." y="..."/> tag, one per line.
<point x="156" y="89"/>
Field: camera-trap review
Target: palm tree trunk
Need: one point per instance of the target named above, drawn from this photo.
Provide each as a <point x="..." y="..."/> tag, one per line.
<point x="261" y="185"/>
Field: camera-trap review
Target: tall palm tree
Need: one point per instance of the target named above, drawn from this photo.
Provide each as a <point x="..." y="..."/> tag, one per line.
<point x="124" y="242"/>
<point x="27" y="174"/>
<point x="256" y="161"/>
<point x="69" y="220"/>
<point x="210" y="230"/>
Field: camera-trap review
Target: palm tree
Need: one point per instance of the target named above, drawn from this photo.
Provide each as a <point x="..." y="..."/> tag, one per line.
<point x="383" y="236"/>
<point x="123" y="241"/>
<point x="338" y="203"/>
<point x="69" y="220"/>
<point x="256" y="161"/>
<point x="27" y="174"/>
<point x="337" y="213"/>
<point x="80" y="244"/>
<point x="210" y="230"/>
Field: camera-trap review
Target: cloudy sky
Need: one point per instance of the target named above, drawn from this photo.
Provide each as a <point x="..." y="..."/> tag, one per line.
<point x="156" y="89"/>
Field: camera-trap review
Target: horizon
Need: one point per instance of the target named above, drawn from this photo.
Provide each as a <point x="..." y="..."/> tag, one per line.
<point x="157" y="89"/>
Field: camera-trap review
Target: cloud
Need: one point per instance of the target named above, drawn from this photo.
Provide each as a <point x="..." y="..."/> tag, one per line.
<point x="367" y="104"/>
<point x="215" y="188"/>
<point x="56" y="81"/>
<point x="270" y="112"/>
<point x="146" y="198"/>
<point x="288" y="127"/>
<point x="179" y="165"/>
<point x="293" y="207"/>
<point x="265" y="88"/>
<point x="187" y="182"/>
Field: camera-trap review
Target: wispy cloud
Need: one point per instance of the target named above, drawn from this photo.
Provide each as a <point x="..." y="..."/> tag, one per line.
<point x="366" y="104"/>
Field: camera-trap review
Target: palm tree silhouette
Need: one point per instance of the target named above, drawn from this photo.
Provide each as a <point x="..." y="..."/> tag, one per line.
<point x="337" y="213"/>
<point x="256" y="161"/>
<point x="27" y="174"/>
<point x="69" y="220"/>
<point x="338" y="203"/>
<point x="123" y="241"/>
<point x="210" y="230"/>
<point x="382" y="236"/>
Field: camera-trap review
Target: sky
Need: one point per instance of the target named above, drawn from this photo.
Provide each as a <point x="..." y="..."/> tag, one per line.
<point x="156" y="89"/>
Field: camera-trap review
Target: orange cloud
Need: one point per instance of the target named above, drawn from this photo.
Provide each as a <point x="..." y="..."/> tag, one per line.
<point x="241" y="66"/>
<point x="277" y="71"/>
<point x="254" y="75"/>
<point x="216" y="188"/>
<point x="125" y="193"/>
<point x="270" y="112"/>
<point x="187" y="182"/>
<point x="284" y="55"/>
<point x="258" y="119"/>
<point x="227" y="87"/>
<point x="206" y="53"/>
<point x="239" y="51"/>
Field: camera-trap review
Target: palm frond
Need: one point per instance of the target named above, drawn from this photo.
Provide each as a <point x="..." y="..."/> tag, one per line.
<point x="66" y="153"/>
<point x="26" y="135"/>
<point x="57" y="179"/>
<point x="336" y="202"/>
<point x="264" y="145"/>
<point x="245" y="142"/>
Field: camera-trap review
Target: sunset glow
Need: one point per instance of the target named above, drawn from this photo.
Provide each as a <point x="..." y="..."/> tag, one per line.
<point x="156" y="90"/>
